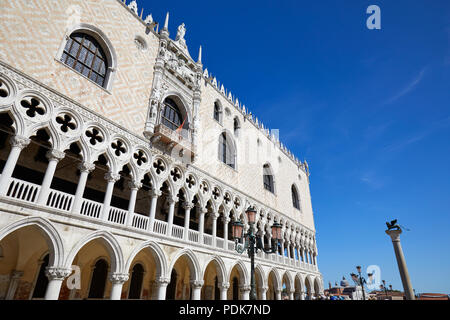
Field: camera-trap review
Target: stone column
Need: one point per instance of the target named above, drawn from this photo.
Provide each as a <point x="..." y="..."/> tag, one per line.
<point x="160" y="286"/>
<point x="117" y="280"/>
<point x="154" y="194"/>
<point x="171" y="202"/>
<point x="214" y="217"/>
<point x="112" y="178"/>
<point x="13" y="284"/>
<point x="225" y="220"/>
<point x="288" y="249"/>
<point x="302" y="295"/>
<point x="201" y="224"/>
<point x="278" y="294"/>
<point x="187" y="217"/>
<point x="402" y="268"/>
<point x="263" y="291"/>
<point x="84" y="168"/>
<point x="224" y="290"/>
<point x="196" y="286"/>
<point x="245" y="292"/>
<point x="134" y="186"/>
<point x="53" y="156"/>
<point x="18" y="143"/>
<point x="55" y="277"/>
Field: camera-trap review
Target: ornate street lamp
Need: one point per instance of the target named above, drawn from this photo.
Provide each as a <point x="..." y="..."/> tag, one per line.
<point x="383" y="286"/>
<point x="359" y="280"/>
<point x="251" y="245"/>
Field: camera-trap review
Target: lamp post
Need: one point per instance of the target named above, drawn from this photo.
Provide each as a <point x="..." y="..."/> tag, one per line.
<point x="383" y="286"/>
<point x="360" y="279"/>
<point x="251" y="245"/>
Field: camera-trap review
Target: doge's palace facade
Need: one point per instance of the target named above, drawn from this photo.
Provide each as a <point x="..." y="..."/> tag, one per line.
<point x="124" y="163"/>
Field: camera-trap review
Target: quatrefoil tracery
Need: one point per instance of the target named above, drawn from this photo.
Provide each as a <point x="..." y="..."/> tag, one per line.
<point x="176" y="174"/>
<point x="159" y="166"/>
<point x="119" y="147"/>
<point x="66" y="123"/>
<point x="94" y="136"/>
<point x="190" y="181"/>
<point x="140" y="157"/>
<point x="33" y="107"/>
<point x="216" y="193"/>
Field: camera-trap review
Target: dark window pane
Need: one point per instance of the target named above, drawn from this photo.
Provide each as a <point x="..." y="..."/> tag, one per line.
<point x="78" y="67"/>
<point x="64" y="57"/>
<point x="68" y="44"/>
<point x="74" y="49"/>
<point x="82" y="55"/>
<point x="89" y="59"/>
<point x="85" y="71"/>
<point x="102" y="69"/>
<point x="97" y="64"/>
<point x="100" y="80"/>
<point x="70" y="61"/>
<point x="93" y="76"/>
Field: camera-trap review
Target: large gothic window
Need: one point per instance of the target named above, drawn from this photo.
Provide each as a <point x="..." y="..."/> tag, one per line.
<point x="295" y="198"/>
<point x="268" y="179"/>
<point x="84" y="54"/>
<point x="217" y="112"/>
<point x="171" y="115"/>
<point x="226" y="151"/>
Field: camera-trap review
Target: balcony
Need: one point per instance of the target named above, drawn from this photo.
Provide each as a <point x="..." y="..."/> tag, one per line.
<point x="182" y="138"/>
<point x="26" y="192"/>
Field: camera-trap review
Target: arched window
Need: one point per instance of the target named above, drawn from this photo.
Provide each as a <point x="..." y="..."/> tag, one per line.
<point x="217" y="112"/>
<point x="171" y="116"/>
<point x="85" y="55"/>
<point x="236" y="126"/>
<point x="268" y="179"/>
<point x="295" y="198"/>
<point x="227" y="152"/>
<point x="98" y="281"/>
<point x="136" y="282"/>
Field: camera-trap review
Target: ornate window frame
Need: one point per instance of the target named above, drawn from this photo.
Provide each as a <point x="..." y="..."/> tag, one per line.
<point x="105" y="44"/>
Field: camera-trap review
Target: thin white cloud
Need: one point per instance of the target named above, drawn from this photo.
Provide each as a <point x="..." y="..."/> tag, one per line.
<point x="414" y="82"/>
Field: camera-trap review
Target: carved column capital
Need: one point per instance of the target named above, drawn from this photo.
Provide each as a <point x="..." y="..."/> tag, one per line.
<point x="155" y="193"/>
<point x="57" y="273"/>
<point x="224" y="285"/>
<point x="54" y="154"/>
<point x="86" y="166"/>
<point x="118" y="278"/>
<point x="112" y="177"/>
<point x="197" y="283"/>
<point x="245" y="288"/>
<point x="162" y="281"/>
<point x="19" y="142"/>
<point x="134" y="185"/>
<point x="187" y="205"/>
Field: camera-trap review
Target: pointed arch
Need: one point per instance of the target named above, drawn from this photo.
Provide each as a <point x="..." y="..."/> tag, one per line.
<point x="220" y="267"/>
<point x="51" y="235"/>
<point x="112" y="245"/>
<point x="194" y="265"/>
<point x="156" y="252"/>
<point x="242" y="270"/>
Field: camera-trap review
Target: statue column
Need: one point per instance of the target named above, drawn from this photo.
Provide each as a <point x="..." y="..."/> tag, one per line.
<point x="134" y="186"/>
<point x="196" y="286"/>
<point x="84" y="168"/>
<point x="154" y="194"/>
<point x="224" y="290"/>
<point x="171" y="202"/>
<point x="406" y="281"/>
<point x="53" y="156"/>
<point x="117" y="280"/>
<point x="18" y="143"/>
<point x="112" y="178"/>
<point x="159" y="292"/>
<point x="187" y="217"/>
<point x="55" y="277"/>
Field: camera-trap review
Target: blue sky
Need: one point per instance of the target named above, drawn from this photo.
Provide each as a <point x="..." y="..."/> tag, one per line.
<point x="368" y="109"/>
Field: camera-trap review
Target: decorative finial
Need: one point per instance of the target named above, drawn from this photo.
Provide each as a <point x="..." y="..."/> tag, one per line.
<point x="166" y="23"/>
<point x="200" y="55"/>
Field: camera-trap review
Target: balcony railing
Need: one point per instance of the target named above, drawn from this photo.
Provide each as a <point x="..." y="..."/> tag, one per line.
<point x="28" y="192"/>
